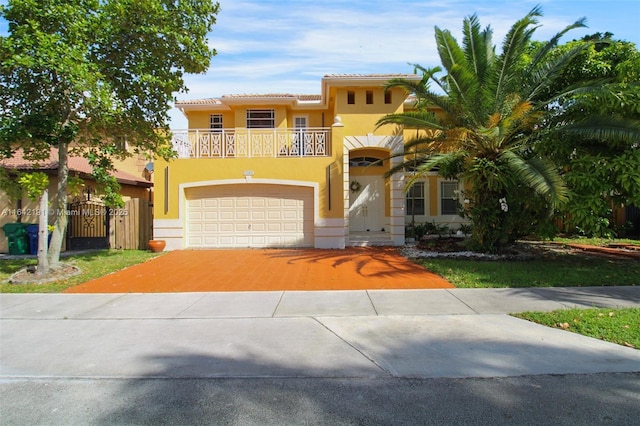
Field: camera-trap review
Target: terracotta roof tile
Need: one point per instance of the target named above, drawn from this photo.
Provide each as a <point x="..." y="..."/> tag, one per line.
<point x="217" y="101"/>
<point x="209" y="101"/>
<point x="389" y="76"/>
<point x="260" y="95"/>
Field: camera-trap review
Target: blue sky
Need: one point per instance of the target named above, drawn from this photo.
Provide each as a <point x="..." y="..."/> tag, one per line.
<point x="286" y="46"/>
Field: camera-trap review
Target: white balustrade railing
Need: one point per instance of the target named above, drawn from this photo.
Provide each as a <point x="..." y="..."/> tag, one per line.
<point x="251" y="143"/>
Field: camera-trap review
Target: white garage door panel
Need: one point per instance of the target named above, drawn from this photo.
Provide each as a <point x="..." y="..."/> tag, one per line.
<point x="252" y="215"/>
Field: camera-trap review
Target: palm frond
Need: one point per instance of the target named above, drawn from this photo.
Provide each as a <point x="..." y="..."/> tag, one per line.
<point x="553" y="42"/>
<point x="477" y="47"/>
<point x="454" y="62"/>
<point x="600" y="127"/>
<point x="411" y="120"/>
<point x="513" y="46"/>
<point x="415" y="87"/>
<point x="425" y="97"/>
<point x="539" y="175"/>
<point x="601" y="88"/>
<point x="444" y="160"/>
<point x="424" y="142"/>
<point x="448" y="49"/>
<point x="429" y="75"/>
<point x="548" y="72"/>
<point x="410" y="162"/>
<point x="468" y="90"/>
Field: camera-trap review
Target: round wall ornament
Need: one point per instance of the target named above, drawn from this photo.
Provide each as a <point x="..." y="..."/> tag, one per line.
<point x="355" y="186"/>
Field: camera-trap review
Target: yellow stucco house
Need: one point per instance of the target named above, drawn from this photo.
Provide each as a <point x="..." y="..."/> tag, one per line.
<point x="283" y="170"/>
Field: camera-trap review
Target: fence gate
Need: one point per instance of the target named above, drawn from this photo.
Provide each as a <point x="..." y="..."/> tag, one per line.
<point x="131" y="227"/>
<point x="88" y="226"/>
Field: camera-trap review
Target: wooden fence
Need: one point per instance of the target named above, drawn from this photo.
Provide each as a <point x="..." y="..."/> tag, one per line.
<point x="130" y="228"/>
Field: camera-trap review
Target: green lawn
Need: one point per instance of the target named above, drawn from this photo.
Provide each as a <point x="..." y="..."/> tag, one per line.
<point x="596" y="241"/>
<point x="92" y="265"/>
<point x="621" y="326"/>
<point x="553" y="271"/>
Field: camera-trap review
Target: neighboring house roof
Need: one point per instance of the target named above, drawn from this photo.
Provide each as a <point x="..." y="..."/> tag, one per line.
<point x="76" y="164"/>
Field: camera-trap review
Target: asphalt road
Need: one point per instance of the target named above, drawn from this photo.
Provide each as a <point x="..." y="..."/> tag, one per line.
<point x="611" y="399"/>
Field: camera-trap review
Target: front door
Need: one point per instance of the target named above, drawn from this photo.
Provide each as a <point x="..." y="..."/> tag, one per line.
<point x="366" y="206"/>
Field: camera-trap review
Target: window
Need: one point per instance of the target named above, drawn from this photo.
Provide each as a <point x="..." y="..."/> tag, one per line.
<point x="369" y="97"/>
<point x="448" y="197"/>
<point x="415" y="199"/>
<point x="300" y="122"/>
<point x="351" y="97"/>
<point x="215" y="122"/>
<point x="365" y="162"/>
<point x="387" y="97"/>
<point x="121" y="143"/>
<point x="261" y="119"/>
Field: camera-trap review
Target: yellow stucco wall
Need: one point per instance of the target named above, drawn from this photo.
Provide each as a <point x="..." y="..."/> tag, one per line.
<point x="308" y="169"/>
<point x="433" y="195"/>
<point x="360" y="118"/>
<point x="201" y="119"/>
<point x="237" y="117"/>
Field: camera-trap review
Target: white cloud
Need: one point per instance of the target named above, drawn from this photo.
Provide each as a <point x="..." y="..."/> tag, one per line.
<point x="287" y="46"/>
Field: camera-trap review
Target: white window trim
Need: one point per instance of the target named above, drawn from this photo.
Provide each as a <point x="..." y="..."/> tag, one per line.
<point x="440" y="181"/>
<point x="273" y="117"/>
<point x="211" y="122"/>
<point x="306" y="121"/>
<point x="425" y="190"/>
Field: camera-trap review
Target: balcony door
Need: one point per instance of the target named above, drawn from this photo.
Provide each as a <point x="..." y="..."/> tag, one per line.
<point x="299" y="131"/>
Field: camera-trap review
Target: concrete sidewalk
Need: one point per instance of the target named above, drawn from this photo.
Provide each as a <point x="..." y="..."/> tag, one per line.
<point x="269" y="304"/>
<point x="340" y="334"/>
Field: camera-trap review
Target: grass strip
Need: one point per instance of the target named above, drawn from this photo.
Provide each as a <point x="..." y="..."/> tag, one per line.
<point x="556" y="271"/>
<point x="621" y="326"/>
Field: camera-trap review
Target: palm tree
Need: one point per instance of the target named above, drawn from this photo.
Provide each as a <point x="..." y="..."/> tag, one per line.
<point x="491" y="117"/>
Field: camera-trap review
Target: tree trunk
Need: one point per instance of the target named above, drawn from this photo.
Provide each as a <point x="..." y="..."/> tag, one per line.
<point x="43" y="234"/>
<point x="60" y="209"/>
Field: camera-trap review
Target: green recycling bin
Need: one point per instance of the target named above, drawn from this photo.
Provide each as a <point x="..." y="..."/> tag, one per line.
<point x="18" y="239"/>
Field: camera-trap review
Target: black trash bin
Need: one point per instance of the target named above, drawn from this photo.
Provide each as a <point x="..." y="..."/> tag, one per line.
<point x="17" y="236"/>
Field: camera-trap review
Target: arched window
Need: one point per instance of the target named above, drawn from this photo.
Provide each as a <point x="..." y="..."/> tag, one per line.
<point x="365" y="162"/>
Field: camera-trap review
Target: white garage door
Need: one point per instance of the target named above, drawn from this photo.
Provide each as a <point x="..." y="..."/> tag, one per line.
<point x="249" y="215"/>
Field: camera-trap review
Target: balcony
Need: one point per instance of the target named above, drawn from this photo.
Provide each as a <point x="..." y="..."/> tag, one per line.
<point x="252" y="143"/>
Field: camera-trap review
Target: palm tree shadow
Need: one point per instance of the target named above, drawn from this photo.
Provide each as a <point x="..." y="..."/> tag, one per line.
<point x="377" y="261"/>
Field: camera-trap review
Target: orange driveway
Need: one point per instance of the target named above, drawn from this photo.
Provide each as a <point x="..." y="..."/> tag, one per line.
<point x="268" y="270"/>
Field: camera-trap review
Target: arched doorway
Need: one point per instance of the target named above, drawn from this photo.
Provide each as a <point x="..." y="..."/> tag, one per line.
<point x="368" y="193"/>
